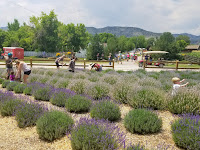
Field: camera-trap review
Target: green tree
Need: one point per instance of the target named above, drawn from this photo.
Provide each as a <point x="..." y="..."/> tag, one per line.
<point x="122" y="43"/>
<point x="130" y="44"/>
<point x="183" y="37"/>
<point x="181" y="44"/>
<point x="166" y="42"/>
<point x="14" y="26"/>
<point x="141" y="41"/>
<point x="112" y="46"/>
<point x="94" y="48"/>
<point x="45" y="31"/>
<point x="3" y="35"/>
<point x="150" y="42"/>
<point x="73" y="37"/>
<point x="105" y="36"/>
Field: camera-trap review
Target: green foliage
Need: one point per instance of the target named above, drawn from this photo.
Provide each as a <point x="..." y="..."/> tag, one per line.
<point x="42" y="94"/>
<point x="98" y="90"/>
<point x="94" y="48"/>
<point x="1" y="80"/>
<point x="110" y="79"/>
<point x="59" y="98"/>
<point x="142" y="121"/>
<point x="73" y="37"/>
<point x="105" y="110"/>
<point x="120" y="92"/>
<point x="185" y="101"/>
<point x="53" y="125"/>
<point x="19" y="88"/>
<point x="11" y="86"/>
<point x="28" y="91"/>
<point x="13" y="26"/>
<point x="46" y="31"/>
<point x="185" y="132"/>
<point x="147" y="97"/>
<point x="8" y="107"/>
<point x="78" y="86"/>
<point x="5" y="83"/>
<point x="166" y="42"/>
<point x="27" y="114"/>
<point x="78" y="103"/>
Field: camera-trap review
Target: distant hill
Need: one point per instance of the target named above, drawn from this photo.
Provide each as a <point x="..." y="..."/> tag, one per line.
<point x="4" y="28"/>
<point x="133" y="31"/>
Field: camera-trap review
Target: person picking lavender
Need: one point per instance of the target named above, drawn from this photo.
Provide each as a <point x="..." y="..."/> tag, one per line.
<point x="177" y="84"/>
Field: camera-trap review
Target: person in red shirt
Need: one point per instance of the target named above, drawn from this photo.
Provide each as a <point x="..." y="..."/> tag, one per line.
<point x="97" y="67"/>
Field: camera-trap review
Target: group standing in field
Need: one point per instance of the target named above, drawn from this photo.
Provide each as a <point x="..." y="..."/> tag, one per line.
<point x="20" y="66"/>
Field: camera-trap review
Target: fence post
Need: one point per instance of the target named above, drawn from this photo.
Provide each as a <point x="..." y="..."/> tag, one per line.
<point x="113" y="64"/>
<point x="31" y="63"/>
<point x="176" y="65"/>
<point x="144" y="64"/>
<point x="84" y="63"/>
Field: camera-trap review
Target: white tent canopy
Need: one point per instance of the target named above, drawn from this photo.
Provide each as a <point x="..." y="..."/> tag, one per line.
<point x="155" y="52"/>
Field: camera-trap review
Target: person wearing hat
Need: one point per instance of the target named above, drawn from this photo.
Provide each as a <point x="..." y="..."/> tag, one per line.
<point x="97" y="67"/>
<point x="9" y="65"/>
<point x="58" y="60"/>
<point x="177" y="84"/>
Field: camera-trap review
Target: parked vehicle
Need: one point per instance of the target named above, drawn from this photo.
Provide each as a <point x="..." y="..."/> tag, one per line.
<point x="161" y="62"/>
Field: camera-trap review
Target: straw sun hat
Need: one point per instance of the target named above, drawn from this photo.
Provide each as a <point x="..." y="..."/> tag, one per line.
<point x="175" y="79"/>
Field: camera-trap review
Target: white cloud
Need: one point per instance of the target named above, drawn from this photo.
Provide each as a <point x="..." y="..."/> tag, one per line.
<point x="176" y="16"/>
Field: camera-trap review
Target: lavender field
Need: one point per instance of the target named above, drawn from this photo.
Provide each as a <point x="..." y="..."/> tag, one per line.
<point x="100" y="110"/>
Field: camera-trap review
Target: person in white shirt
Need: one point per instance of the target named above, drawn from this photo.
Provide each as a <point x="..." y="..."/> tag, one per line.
<point x="177" y="84"/>
<point x="22" y="66"/>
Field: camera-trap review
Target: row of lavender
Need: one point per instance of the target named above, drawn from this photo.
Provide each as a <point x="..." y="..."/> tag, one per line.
<point x="138" y="89"/>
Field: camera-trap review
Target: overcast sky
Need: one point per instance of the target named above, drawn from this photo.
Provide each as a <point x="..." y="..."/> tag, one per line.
<point x="176" y="16"/>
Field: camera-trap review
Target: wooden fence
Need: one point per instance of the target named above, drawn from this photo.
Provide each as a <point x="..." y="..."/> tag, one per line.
<point x="84" y="62"/>
<point x="177" y="63"/>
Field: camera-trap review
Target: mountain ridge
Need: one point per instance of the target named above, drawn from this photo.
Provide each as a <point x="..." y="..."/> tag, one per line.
<point x="134" y="31"/>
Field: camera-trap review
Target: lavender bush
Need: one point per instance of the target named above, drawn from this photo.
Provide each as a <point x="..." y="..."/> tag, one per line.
<point x="43" y="93"/>
<point x="142" y="121"/>
<point x="62" y="83"/>
<point x="78" y="86"/>
<point x="186" y="132"/>
<point x="12" y="85"/>
<point x="1" y="80"/>
<point x="185" y="101"/>
<point x="19" y="88"/>
<point x="53" y="125"/>
<point x="60" y="96"/>
<point x="105" y="110"/>
<point x="8" y="103"/>
<point x="147" y="97"/>
<point x="120" y="92"/>
<point x="28" y="113"/>
<point x="78" y="103"/>
<point x="110" y="79"/>
<point x="98" y="90"/>
<point x="91" y="134"/>
<point x="5" y="83"/>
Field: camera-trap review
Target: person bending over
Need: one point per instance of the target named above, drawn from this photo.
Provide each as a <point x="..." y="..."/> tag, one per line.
<point x="96" y="66"/>
<point x="22" y="66"/>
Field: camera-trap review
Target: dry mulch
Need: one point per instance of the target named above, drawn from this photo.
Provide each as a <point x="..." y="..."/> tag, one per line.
<point x="14" y="138"/>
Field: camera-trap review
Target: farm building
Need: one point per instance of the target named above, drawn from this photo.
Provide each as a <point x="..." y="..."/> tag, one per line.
<point x="191" y="48"/>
